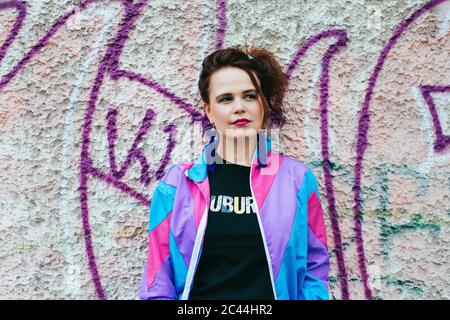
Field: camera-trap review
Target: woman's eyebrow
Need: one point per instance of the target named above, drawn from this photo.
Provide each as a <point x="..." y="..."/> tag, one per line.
<point x="228" y="93"/>
<point x="220" y="96"/>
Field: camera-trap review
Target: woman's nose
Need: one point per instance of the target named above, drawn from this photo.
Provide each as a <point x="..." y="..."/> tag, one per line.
<point x="238" y="105"/>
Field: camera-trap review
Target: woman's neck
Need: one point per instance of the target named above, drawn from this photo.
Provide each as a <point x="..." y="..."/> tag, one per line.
<point x="239" y="151"/>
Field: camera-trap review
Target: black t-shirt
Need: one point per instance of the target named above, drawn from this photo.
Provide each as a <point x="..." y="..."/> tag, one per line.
<point x="233" y="263"/>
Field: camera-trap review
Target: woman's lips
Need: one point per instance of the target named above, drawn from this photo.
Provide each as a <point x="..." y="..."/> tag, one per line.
<point x="241" y="122"/>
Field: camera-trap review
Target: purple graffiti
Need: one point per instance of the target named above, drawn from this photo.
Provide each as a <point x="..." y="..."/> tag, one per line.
<point x="108" y="66"/>
<point x="22" y="8"/>
<point x="324" y="82"/>
<point x="134" y="153"/>
<point x="442" y="140"/>
<point x="222" y="23"/>
<point x="363" y="128"/>
<point x="60" y="22"/>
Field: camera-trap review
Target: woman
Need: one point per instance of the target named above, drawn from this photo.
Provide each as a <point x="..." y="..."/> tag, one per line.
<point x="244" y="224"/>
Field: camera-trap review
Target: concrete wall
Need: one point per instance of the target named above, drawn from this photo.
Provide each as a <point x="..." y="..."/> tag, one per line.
<point x="98" y="98"/>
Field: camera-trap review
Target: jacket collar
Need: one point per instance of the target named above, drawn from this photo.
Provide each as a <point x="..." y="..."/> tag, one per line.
<point x="199" y="171"/>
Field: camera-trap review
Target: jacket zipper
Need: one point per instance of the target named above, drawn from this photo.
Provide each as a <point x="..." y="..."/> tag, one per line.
<point x="262" y="232"/>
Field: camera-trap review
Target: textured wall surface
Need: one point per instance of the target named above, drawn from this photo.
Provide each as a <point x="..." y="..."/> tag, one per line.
<point x="98" y="98"/>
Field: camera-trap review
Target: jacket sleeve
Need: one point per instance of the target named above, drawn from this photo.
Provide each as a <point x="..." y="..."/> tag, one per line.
<point x="157" y="279"/>
<point x="315" y="284"/>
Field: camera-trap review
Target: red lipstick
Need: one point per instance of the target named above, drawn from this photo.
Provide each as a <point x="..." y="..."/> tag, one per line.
<point x="241" y="122"/>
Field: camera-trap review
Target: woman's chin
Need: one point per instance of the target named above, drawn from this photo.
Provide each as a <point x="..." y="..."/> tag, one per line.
<point x="241" y="133"/>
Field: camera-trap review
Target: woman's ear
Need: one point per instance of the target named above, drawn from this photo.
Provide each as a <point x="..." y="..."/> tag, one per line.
<point x="207" y="110"/>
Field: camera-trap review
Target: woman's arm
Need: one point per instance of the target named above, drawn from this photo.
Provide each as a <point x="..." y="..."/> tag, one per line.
<point x="157" y="279"/>
<point x="315" y="284"/>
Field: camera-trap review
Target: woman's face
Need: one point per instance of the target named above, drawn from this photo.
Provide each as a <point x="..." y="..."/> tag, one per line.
<point x="233" y="96"/>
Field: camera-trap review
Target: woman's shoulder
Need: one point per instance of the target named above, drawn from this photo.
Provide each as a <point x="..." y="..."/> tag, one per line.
<point x="304" y="178"/>
<point x="174" y="172"/>
<point x="295" y="166"/>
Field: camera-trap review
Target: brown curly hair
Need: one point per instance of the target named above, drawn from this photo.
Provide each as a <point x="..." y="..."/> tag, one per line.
<point x="274" y="82"/>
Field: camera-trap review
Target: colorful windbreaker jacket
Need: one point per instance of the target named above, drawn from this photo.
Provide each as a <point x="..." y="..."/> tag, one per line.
<point x="290" y="217"/>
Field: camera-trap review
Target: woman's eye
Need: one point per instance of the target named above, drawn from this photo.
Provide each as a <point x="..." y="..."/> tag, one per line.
<point x="252" y="96"/>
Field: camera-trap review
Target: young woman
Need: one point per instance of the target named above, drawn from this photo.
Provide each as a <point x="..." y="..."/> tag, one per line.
<point x="242" y="221"/>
